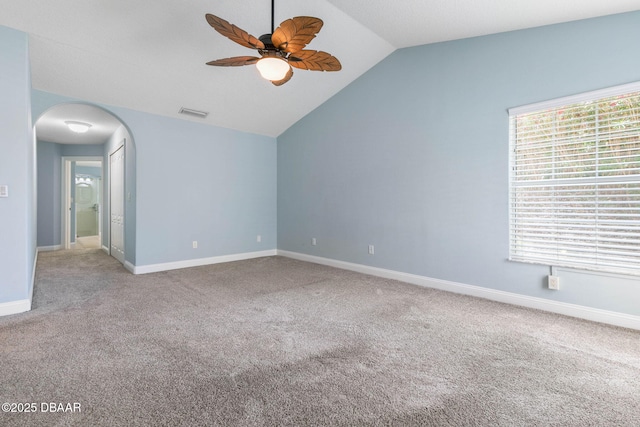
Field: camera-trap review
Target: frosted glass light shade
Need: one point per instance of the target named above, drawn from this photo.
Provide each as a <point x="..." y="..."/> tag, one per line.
<point x="272" y="68"/>
<point x="78" y="127"/>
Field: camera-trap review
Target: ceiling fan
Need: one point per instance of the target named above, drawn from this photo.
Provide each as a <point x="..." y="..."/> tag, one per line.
<point x="280" y="50"/>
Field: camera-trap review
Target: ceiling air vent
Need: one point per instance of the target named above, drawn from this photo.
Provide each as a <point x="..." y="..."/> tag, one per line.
<point x="194" y="113"/>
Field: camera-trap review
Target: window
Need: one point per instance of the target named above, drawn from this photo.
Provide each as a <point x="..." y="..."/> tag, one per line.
<point x="575" y="181"/>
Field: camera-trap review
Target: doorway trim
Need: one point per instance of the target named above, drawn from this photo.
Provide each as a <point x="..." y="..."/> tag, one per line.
<point x="122" y="145"/>
<point x="66" y="197"/>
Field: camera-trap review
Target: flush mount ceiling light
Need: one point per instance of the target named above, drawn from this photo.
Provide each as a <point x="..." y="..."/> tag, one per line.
<point x="78" y="127"/>
<point x="280" y="50"/>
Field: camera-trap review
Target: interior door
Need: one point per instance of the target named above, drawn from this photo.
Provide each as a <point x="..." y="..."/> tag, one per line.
<point x="116" y="203"/>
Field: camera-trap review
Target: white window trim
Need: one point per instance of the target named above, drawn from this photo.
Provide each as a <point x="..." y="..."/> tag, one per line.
<point x="574" y="99"/>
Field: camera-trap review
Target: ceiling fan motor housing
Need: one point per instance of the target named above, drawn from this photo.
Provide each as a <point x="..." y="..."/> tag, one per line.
<point x="269" y="48"/>
<point x="266" y="40"/>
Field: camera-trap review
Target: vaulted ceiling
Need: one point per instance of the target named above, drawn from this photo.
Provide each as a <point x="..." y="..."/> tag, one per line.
<point x="150" y="55"/>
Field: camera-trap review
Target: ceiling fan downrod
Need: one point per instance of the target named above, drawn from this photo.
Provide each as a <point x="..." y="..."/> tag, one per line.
<point x="273" y="27"/>
<point x="270" y="49"/>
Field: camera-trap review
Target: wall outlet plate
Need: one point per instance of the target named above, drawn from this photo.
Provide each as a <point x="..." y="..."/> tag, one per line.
<point x="554" y="282"/>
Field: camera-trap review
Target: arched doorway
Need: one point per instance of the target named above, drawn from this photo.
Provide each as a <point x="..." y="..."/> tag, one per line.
<point x="68" y="202"/>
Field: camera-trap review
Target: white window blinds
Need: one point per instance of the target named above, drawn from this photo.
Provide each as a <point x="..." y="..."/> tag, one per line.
<point x="575" y="182"/>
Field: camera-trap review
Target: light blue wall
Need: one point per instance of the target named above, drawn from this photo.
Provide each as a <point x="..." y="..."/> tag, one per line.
<point x="82" y="150"/>
<point x="199" y="182"/>
<point x="17" y="169"/>
<point x="189" y="181"/>
<point x="49" y="181"/>
<point x="413" y="157"/>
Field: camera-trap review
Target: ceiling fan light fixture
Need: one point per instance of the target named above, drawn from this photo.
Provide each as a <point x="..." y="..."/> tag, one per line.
<point x="280" y="50"/>
<point x="78" y="127"/>
<point x="273" y="69"/>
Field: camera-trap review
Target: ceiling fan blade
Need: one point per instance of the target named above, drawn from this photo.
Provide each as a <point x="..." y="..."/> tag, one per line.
<point x="314" y="60"/>
<point x="286" y="78"/>
<point x="295" y="33"/>
<point x="234" y="33"/>
<point x="236" y="61"/>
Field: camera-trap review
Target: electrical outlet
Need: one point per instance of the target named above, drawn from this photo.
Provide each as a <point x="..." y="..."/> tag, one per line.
<point x="195" y="244"/>
<point x="259" y="238"/>
<point x="554" y="282"/>
<point x="313" y="241"/>
<point x="371" y="250"/>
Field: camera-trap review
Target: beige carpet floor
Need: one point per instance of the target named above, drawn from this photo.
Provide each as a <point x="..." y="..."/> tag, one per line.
<point x="278" y="342"/>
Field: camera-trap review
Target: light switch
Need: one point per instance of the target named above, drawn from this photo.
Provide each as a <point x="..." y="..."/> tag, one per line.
<point x="4" y="191"/>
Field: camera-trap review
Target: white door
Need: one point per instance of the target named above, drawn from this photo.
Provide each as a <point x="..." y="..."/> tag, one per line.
<point x="116" y="203"/>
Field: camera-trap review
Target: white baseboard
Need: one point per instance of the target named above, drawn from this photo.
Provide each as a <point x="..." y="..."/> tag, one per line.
<point x="49" y="248"/>
<point x="20" y="306"/>
<point x="105" y="249"/>
<point x="153" y="268"/>
<point x="573" y="310"/>
<point x="130" y="267"/>
<point x="15" y="307"/>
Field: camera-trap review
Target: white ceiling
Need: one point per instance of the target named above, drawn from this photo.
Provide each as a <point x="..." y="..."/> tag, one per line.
<point x="150" y="55"/>
<point x="51" y="125"/>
